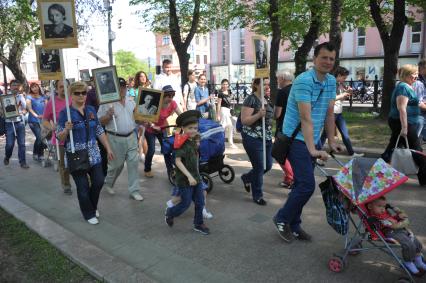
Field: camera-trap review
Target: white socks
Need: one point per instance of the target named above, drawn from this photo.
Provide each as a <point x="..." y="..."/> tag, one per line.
<point x="170" y="203"/>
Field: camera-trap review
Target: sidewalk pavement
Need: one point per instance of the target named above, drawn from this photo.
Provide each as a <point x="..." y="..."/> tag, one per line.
<point x="133" y="244"/>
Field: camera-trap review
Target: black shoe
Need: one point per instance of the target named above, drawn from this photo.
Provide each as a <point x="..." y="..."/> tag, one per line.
<point x="247" y="186"/>
<point x="202" y="229"/>
<point x="6" y="161"/>
<point x="302" y="235"/>
<point x="284" y="230"/>
<point x="169" y="220"/>
<point x="260" y="201"/>
<point x="25" y="166"/>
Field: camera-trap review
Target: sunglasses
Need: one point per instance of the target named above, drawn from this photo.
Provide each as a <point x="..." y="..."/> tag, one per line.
<point x="80" y="93"/>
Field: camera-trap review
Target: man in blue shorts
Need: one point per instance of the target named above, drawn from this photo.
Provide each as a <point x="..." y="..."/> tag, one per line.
<point x="310" y="104"/>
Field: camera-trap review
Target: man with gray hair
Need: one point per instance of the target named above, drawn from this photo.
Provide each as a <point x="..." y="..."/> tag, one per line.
<point x="285" y="79"/>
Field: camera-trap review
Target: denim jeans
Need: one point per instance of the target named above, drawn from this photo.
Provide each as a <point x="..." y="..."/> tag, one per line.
<point x="150" y="140"/>
<point x="10" y="140"/>
<point x="38" y="149"/>
<point x="303" y="187"/>
<point x="188" y="194"/>
<point x="254" y="149"/>
<point x="421" y="129"/>
<point x="88" y="192"/>
<point x="341" y="127"/>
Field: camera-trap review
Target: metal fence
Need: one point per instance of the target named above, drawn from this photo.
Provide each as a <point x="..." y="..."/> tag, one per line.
<point x="366" y="92"/>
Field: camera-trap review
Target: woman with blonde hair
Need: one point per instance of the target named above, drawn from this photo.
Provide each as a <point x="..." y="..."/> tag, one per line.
<point x="404" y="112"/>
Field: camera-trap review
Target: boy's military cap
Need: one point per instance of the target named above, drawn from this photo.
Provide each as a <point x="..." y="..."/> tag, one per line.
<point x="188" y="117"/>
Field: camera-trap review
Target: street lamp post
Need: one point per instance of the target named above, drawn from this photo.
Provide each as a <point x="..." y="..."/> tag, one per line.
<point x="111" y="36"/>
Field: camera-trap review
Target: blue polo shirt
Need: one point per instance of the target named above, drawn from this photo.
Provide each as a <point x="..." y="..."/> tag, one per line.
<point x="307" y="88"/>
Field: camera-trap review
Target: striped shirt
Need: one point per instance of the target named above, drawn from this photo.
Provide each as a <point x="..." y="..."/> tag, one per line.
<point x="307" y="88"/>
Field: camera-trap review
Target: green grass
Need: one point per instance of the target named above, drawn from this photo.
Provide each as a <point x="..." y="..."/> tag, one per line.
<point x="366" y="130"/>
<point x="33" y="258"/>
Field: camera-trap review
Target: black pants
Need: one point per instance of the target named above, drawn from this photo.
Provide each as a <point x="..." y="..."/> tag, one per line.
<point x="104" y="157"/>
<point x="413" y="139"/>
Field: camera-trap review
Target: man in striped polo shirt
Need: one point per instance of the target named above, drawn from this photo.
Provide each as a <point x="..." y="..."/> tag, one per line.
<point x="310" y="103"/>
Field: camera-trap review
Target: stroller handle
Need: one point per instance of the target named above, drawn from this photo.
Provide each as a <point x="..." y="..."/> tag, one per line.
<point x="322" y="170"/>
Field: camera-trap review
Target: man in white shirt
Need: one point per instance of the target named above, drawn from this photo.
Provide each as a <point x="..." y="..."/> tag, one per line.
<point x="168" y="78"/>
<point x="123" y="141"/>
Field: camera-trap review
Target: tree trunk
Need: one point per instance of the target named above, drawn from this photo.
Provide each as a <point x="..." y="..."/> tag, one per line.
<point x="13" y="63"/>
<point x="391" y="45"/>
<point x="300" y="58"/>
<point x="335" y="29"/>
<point x="275" y="47"/>
<point x="183" y="63"/>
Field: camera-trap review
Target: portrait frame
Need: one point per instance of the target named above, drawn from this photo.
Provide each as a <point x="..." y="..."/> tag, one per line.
<point x="263" y="70"/>
<point x="108" y="91"/>
<point x="68" y="36"/>
<point x="48" y="70"/>
<point x="85" y="75"/>
<point x="9" y="114"/>
<point x="157" y="101"/>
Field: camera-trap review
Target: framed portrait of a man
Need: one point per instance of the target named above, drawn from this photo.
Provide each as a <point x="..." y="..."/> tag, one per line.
<point x="57" y="23"/>
<point x="85" y="75"/>
<point x="48" y="64"/>
<point x="261" y="59"/>
<point x="106" y="82"/>
<point x="148" y="105"/>
<point x="9" y="106"/>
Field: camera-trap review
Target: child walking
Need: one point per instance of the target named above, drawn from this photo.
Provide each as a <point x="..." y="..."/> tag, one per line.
<point x="394" y="224"/>
<point x="188" y="178"/>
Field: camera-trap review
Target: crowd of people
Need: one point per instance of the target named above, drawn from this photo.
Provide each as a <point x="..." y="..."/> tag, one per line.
<point x="308" y="107"/>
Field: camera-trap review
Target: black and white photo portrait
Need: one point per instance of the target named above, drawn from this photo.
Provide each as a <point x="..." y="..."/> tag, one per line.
<point x="148" y="105"/>
<point x="48" y="63"/>
<point x="261" y="57"/>
<point x="106" y="82"/>
<point x="85" y="75"/>
<point x="10" y="109"/>
<point x="58" y="23"/>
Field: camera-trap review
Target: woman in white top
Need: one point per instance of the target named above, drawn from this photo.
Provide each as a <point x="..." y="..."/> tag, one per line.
<point x="224" y="111"/>
<point x="188" y="92"/>
<point x="342" y="93"/>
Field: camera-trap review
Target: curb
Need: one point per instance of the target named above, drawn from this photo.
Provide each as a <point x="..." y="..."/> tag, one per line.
<point x="94" y="260"/>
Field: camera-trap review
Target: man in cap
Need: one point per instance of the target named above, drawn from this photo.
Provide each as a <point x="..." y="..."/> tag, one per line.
<point x="188" y="179"/>
<point x="123" y="141"/>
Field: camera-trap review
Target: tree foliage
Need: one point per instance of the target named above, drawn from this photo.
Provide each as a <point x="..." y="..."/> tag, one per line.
<point x="127" y="64"/>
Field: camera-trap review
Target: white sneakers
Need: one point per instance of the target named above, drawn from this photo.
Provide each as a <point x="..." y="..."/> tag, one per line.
<point x="206" y="214"/>
<point x="136" y="196"/>
<point x="357" y="155"/>
<point x="93" y="221"/>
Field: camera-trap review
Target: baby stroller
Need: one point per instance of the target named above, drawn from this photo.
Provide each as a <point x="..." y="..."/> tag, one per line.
<point x="211" y="150"/>
<point x="358" y="182"/>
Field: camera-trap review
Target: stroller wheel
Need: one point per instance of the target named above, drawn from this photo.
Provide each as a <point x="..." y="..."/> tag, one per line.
<point x="206" y="179"/>
<point x="172" y="176"/>
<point x="227" y="174"/>
<point x="336" y="264"/>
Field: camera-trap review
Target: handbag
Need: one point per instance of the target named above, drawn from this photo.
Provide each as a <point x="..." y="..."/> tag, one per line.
<point x="402" y="159"/>
<point x="336" y="214"/>
<point x="79" y="160"/>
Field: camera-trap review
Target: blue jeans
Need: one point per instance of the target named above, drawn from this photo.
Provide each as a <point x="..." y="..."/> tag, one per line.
<point x="10" y="140"/>
<point x="341" y="126"/>
<point x="303" y="186"/>
<point x="189" y="194"/>
<point x="38" y="149"/>
<point x="150" y="140"/>
<point x="254" y="149"/>
<point x="421" y="129"/>
<point x="88" y="192"/>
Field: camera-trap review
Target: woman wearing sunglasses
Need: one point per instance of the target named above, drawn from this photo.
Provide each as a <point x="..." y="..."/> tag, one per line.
<point x="85" y="128"/>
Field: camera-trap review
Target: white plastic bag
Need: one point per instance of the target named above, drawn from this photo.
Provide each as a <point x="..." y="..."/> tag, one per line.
<point x="402" y="160"/>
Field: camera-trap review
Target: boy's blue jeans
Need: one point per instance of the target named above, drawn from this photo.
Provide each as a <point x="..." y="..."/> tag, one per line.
<point x="303" y="186"/>
<point x="254" y="149"/>
<point x="10" y="140"/>
<point x="189" y="194"/>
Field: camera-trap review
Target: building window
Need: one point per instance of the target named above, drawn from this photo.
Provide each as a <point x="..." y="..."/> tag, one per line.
<point x="361" y="41"/>
<point x="198" y="59"/>
<point x="197" y="40"/>
<point x="242" y="46"/>
<point x="416" y="34"/>
<point x="166" y="40"/>
<point x="205" y="40"/>
<point x="205" y="59"/>
<point x="223" y="47"/>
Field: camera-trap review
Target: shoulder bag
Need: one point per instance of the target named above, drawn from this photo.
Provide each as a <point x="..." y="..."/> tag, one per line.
<point x="402" y="160"/>
<point x="79" y="160"/>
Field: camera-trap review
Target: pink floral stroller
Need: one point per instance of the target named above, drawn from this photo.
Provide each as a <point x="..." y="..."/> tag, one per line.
<point x="358" y="182"/>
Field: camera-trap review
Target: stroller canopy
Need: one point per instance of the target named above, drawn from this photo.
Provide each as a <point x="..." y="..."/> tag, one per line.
<point x="365" y="179"/>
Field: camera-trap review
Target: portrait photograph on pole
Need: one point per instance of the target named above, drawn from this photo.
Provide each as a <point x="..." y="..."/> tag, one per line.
<point x="48" y="64"/>
<point x="85" y="75"/>
<point x="106" y="82"/>
<point x="261" y="59"/>
<point x="57" y="23"/>
<point x="9" y="106"/>
<point x="148" y="105"/>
